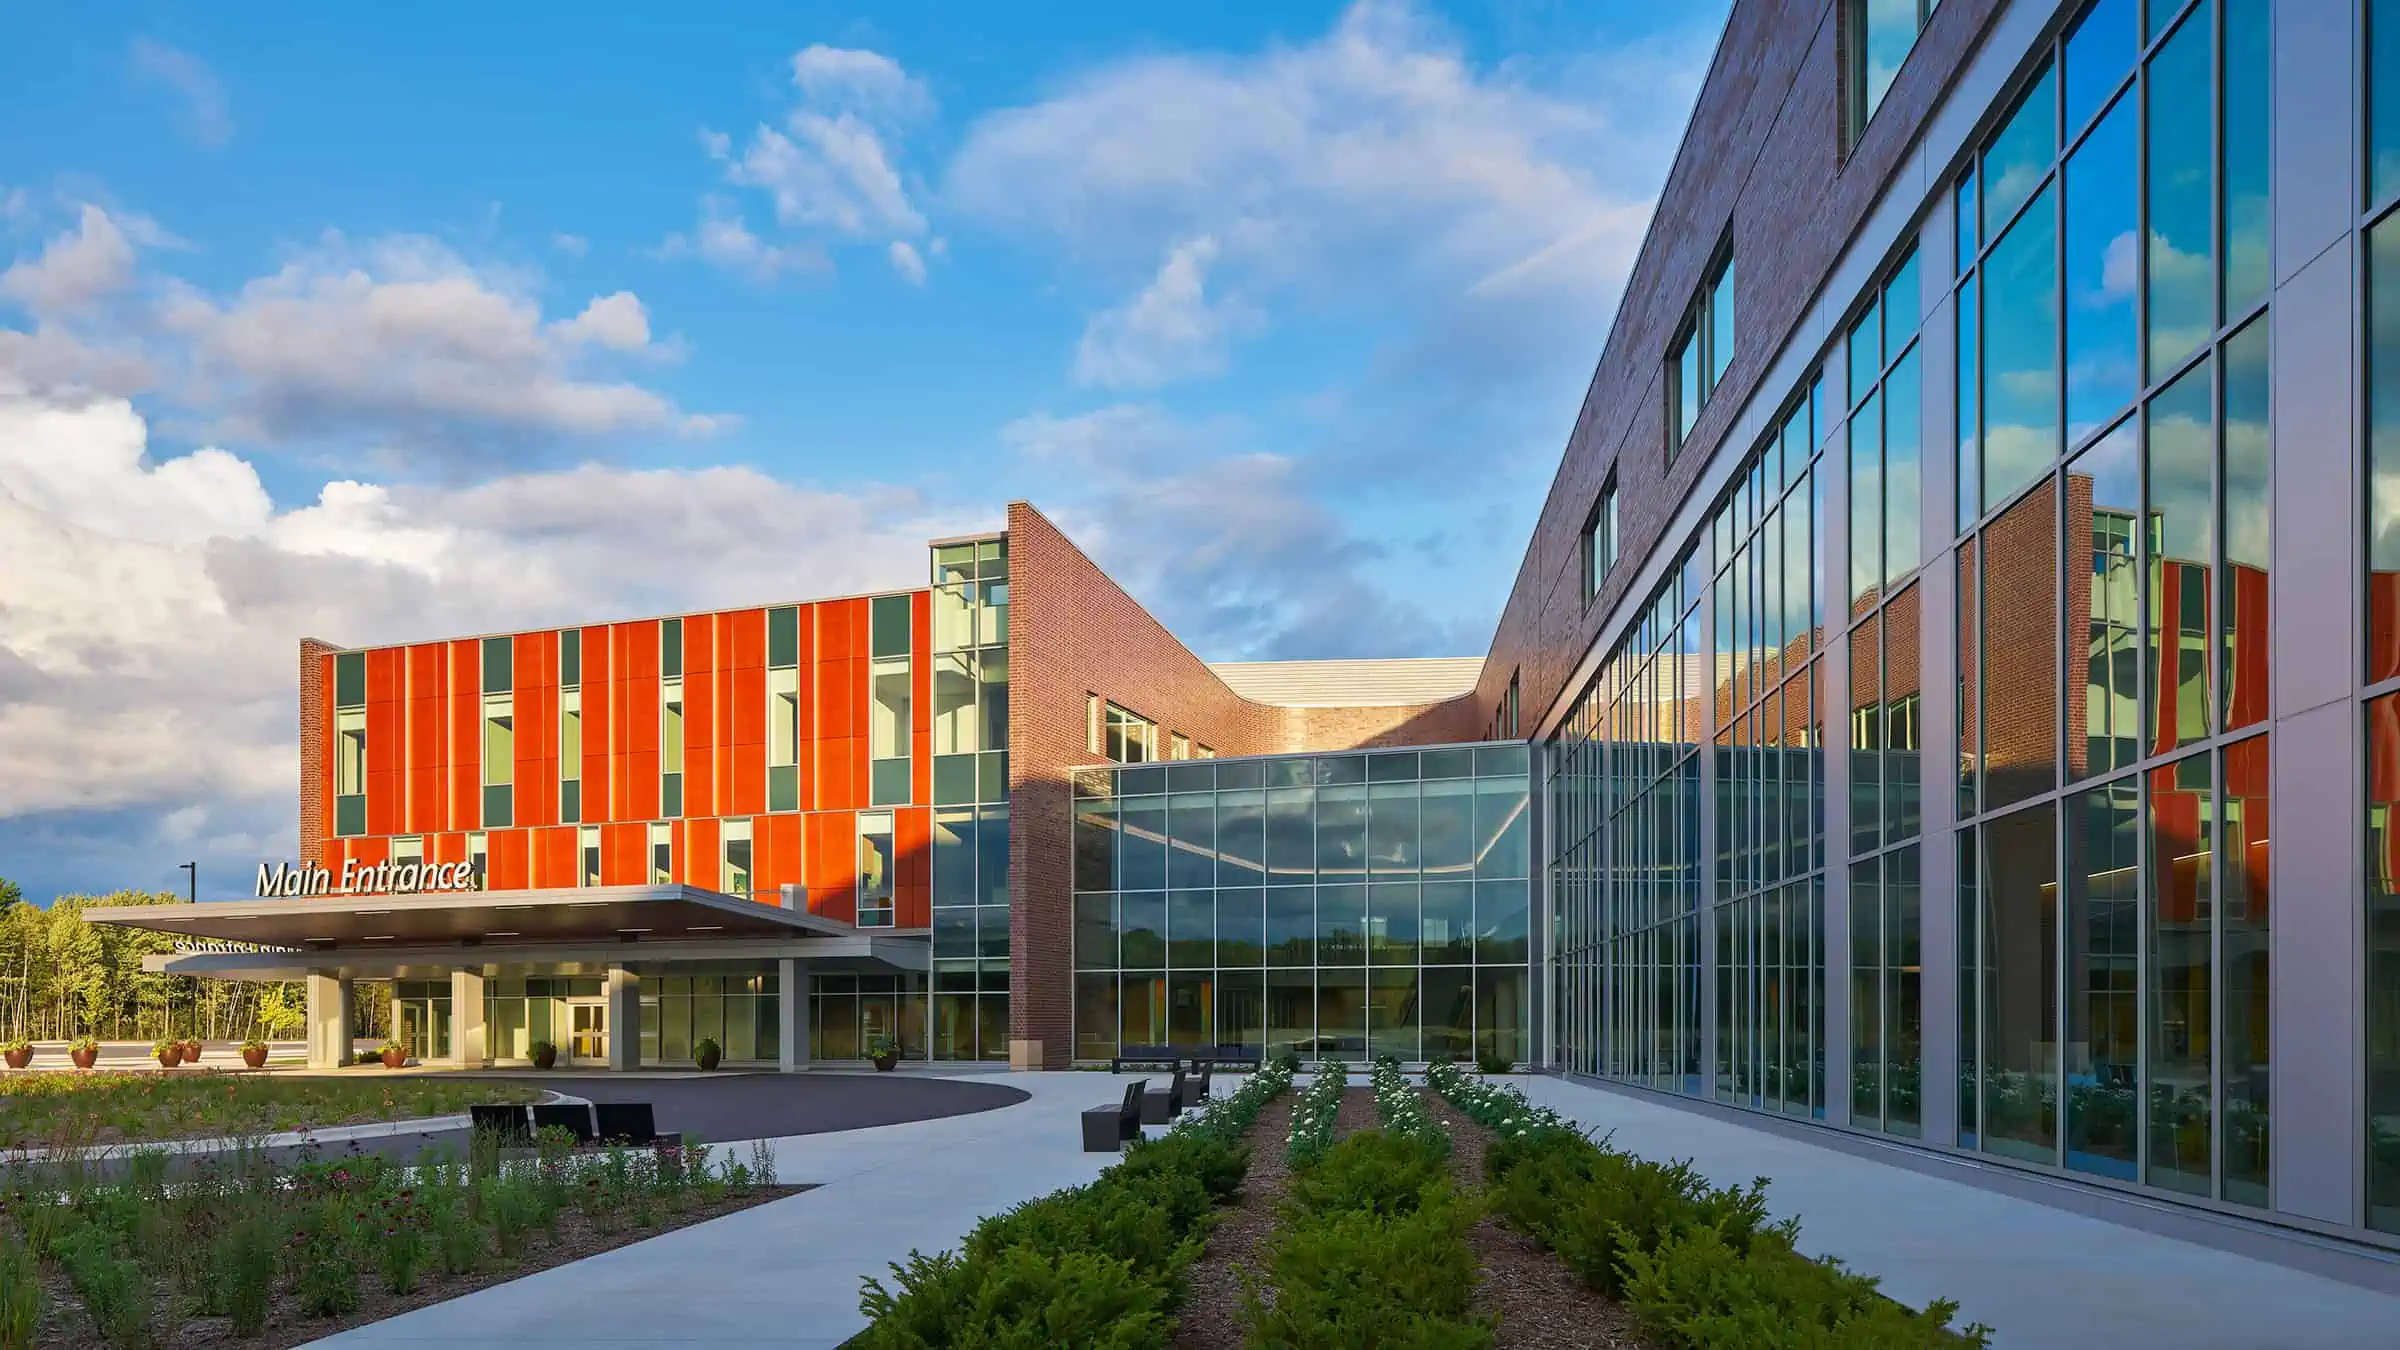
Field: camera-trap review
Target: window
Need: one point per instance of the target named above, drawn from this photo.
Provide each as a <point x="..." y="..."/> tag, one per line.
<point x="1128" y="737"/>
<point x="587" y="847"/>
<point x="1876" y="38"/>
<point x="1703" y="349"/>
<point x="783" y="740"/>
<point x="1203" y="752"/>
<point x="499" y="757"/>
<point x="662" y="854"/>
<point x="736" y="869"/>
<point x="888" y="726"/>
<point x="570" y="755"/>
<point x="350" y="743"/>
<point x="875" y="869"/>
<point x="670" y="717"/>
<point x="478" y="857"/>
<point x="1181" y="746"/>
<point x="1505" y="715"/>
<point x="1600" y="541"/>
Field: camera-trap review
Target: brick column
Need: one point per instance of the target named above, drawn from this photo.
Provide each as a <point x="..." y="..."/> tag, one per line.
<point x="315" y="698"/>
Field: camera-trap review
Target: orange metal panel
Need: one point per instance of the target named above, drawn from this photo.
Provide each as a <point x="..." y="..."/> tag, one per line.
<point x="466" y="729"/>
<point x="920" y="697"/>
<point x="507" y="859"/>
<point x="747" y="631"/>
<point x="675" y="833"/>
<point x="781" y="862"/>
<point x="638" y="700"/>
<point x="446" y="848"/>
<point x="554" y="856"/>
<point x="599" y="704"/>
<point x="387" y="747"/>
<point x="747" y="750"/>
<point x="833" y="865"/>
<point x="535" y="656"/>
<point x="912" y="893"/>
<point x="368" y="850"/>
<point x="426" y="690"/>
<point x="621" y="849"/>
<point x="701" y="863"/>
<point x="700" y="677"/>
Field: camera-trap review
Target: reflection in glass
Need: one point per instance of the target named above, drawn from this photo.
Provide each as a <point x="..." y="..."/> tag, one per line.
<point x="2182" y="1002"/>
<point x="1341" y="925"/>
<point x="1866" y="734"/>
<point x="1866" y="502"/>
<point x="2242" y="665"/>
<point x="1291" y="1011"/>
<point x="2020" y="354"/>
<point x="2243" y="841"/>
<point x="1866" y="361"/>
<point x="1291" y="833"/>
<point x="2017" y="158"/>
<point x="1342" y="832"/>
<point x="1903" y="433"/>
<point x="1141" y="844"/>
<point x="2182" y="181"/>
<point x="1241" y="928"/>
<point x="2383" y="102"/>
<point x="1970" y="707"/>
<point x="2019" y="937"/>
<point x="1392" y="1014"/>
<point x="2383" y="964"/>
<point x="2106" y="482"/>
<point x="1971" y="982"/>
<point x="2249" y="140"/>
<point x="1392" y="923"/>
<point x="2019" y="642"/>
<point x="2383" y="427"/>
<point x="1866" y="997"/>
<point x="1241" y="838"/>
<point x="1392" y="829"/>
<point x="2182" y="456"/>
<point x="1903" y="1000"/>
<point x="1191" y="930"/>
<point x="1192" y="855"/>
<point x="1291" y="925"/>
<point x="2100" y="54"/>
<point x="2102" y="179"/>
<point x="1969" y="379"/>
<point x="1341" y="1015"/>
<point x="2103" y="934"/>
<point x="1902" y="739"/>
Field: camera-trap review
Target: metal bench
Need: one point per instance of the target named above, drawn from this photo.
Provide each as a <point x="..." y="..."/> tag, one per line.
<point x="575" y="1119"/>
<point x="1107" y="1129"/>
<point x="1160" y="1056"/>
<point x="505" y="1123"/>
<point x="1226" y="1057"/>
<point x="1162" y="1106"/>
<point x="625" y="1122"/>
<point x="1195" y="1090"/>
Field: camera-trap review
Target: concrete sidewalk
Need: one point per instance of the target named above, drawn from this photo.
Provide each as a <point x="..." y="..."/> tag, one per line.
<point x="2042" y="1276"/>
<point x="787" y="1273"/>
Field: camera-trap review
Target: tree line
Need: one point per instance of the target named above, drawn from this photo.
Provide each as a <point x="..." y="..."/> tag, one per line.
<point x="61" y="977"/>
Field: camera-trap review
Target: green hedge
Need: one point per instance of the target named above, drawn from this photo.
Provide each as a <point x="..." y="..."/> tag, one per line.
<point x="1097" y="1265"/>
<point x="1701" y="1266"/>
<point x="1313" y="1114"/>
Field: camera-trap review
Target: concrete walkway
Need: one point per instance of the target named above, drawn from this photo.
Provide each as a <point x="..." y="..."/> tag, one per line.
<point x="787" y="1273"/>
<point x="2042" y="1276"/>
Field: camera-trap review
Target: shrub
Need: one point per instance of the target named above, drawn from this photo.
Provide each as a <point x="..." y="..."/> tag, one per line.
<point x="1313" y="1114"/>
<point x="457" y="1238"/>
<point x="85" y="1042"/>
<point x="1402" y="1107"/>
<point x="1488" y="1062"/>
<point x="324" y="1276"/>
<point x="1372" y="1172"/>
<point x="1362" y="1278"/>
<point x="246" y="1258"/>
<point x="1698" y="1289"/>
<point x="21" y="1294"/>
<point x="707" y="1054"/>
<point x="1016" y="1297"/>
<point x="367" y="1057"/>
<point x="112" y="1288"/>
<point x="400" y="1247"/>
<point x="253" y="1043"/>
<point x="16" y="1045"/>
<point x="390" y="1047"/>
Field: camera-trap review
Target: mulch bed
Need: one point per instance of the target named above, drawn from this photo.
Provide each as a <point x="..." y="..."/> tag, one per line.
<point x="65" y="1324"/>
<point x="1541" y="1304"/>
<point x="1210" y="1318"/>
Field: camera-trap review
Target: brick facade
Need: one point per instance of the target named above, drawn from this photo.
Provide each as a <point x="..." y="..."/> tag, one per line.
<point x="1073" y="633"/>
<point x="1763" y="160"/>
<point x="316" y="730"/>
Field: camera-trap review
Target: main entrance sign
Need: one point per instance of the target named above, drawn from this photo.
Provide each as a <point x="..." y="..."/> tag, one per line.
<point x="278" y="881"/>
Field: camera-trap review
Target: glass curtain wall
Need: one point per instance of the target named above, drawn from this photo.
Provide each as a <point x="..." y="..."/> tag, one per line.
<point x="1339" y="906"/>
<point x="970" y="792"/>
<point x="849" y="1013"/>
<point x="737" y="1007"/>
<point x="2114" y="480"/>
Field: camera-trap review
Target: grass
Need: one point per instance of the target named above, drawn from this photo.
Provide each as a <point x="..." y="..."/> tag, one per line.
<point x="76" y="1109"/>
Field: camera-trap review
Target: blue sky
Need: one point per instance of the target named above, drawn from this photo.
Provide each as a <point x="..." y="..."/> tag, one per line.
<point x="317" y="323"/>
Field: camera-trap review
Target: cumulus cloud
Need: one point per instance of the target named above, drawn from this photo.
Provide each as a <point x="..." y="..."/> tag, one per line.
<point x="573" y="245"/>
<point x="831" y="171"/>
<point x="152" y="607"/>
<point x="205" y="117"/>
<point x="1168" y="331"/>
<point x="614" y="321"/>
<point x="75" y="268"/>
<point x="723" y="239"/>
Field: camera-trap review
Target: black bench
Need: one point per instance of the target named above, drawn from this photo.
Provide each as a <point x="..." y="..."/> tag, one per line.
<point x="505" y="1123"/>
<point x="575" y="1119"/>
<point x="625" y="1122"/>
<point x="1107" y="1129"/>
<point x="1159" y="1056"/>
<point x="1158" y="1108"/>
<point x="1227" y="1056"/>
<point x="1195" y="1091"/>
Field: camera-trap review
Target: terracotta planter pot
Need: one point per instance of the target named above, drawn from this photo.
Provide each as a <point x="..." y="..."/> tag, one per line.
<point x="255" y="1056"/>
<point x="84" y="1059"/>
<point x="170" y="1057"/>
<point x="887" y="1063"/>
<point x="393" y="1059"/>
<point x="18" y="1059"/>
<point x="191" y="1052"/>
<point x="544" y="1056"/>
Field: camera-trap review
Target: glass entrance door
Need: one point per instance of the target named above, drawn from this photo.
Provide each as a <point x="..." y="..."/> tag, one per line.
<point x="587" y="1037"/>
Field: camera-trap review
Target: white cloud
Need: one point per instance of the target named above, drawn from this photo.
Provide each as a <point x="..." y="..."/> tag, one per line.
<point x="908" y="262"/>
<point x="1169" y="331"/>
<point x="1379" y="150"/>
<point x="406" y="340"/>
<point x="617" y="322"/>
<point x="151" y="609"/>
<point x="832" y="172"/>
<point x="76" y="267"/>
<point x="205" y="116"/>
<point x="573" y="245"/>
<point x="722" y="239"/>
<point x="869" y="82"/>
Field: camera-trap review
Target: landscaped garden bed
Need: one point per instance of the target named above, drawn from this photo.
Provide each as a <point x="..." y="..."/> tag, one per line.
<point x="1698" y="1266"/>
<point x="1098" y="1264"/>
<point x="242" y="1251"/>
<point x="70" y="1109"/>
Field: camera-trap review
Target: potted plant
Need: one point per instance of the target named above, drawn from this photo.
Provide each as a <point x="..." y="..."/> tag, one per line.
<point x="707" y="1054"/>
<point x="885" y="1052"/>
<point x="84" y="1051"/>
<point x="19" y="1052"/>
<point x="394" y="1054"/>
<point x="544" y="1054"/>
<point x="170" y="1053"/>
<point x="254" y="1053"/>
<point x="192" y="1049"/>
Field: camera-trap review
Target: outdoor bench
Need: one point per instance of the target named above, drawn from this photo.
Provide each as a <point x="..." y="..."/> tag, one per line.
<point x="1106" y="1129"/>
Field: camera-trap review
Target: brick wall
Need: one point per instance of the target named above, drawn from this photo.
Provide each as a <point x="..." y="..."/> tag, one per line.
<point x="1763" y="158"/>
<point x="316" y="699"/>
<point x="1073" y="632"/>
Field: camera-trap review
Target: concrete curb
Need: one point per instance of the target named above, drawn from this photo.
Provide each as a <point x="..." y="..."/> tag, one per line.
<point x="331" y="1134"/>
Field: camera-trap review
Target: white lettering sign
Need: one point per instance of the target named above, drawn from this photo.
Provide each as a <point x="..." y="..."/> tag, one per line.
<point x="292" y="881"/>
